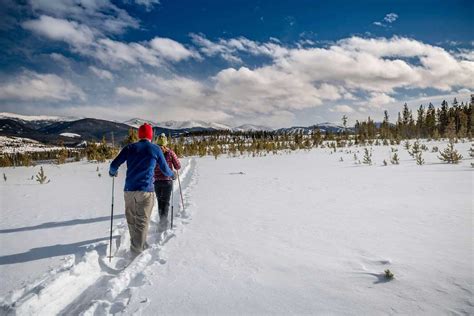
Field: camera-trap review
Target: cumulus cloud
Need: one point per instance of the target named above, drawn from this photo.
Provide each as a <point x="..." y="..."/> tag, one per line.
<point x="101" y="15"/>
<point x="32" y="86"/>
<point x="229" y="49"/>
<point x="111" y="52"/>
<point x="171" y="50"/>
<point x="101" y="73"/>
<point x="377" y="99"/>
<point x="61" y="30"/>
<point x="342" y="109"/>
<point x="299" y="78"/>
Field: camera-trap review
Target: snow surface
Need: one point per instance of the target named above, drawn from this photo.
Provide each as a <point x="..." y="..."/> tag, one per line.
<point x="289" y="234"/>
<point x="72" y="135"/>
<point x="11" y="144"/>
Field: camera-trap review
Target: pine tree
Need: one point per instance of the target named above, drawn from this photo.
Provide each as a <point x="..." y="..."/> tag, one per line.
<point x="367" y="159"/>
<point x="471" y="151"/>
<point x="420" y="122"/>
<point x="132" y="137"/>
<point x="41" y="177"/>
<point x="407" y="145"/>
<point x="450" y="154"/>
<point x="430" y="120"/>
<point x="395" y="160"/>
<point x="62" y="156"/>
<point x="344" y="124"/>
<point x="443" y="118"/>
<point x="415" y="149"/>
<point x="419" y="159"/>
<point x="450" y="131"/>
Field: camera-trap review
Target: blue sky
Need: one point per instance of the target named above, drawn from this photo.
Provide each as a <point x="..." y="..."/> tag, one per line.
<point x="276" y="63"/>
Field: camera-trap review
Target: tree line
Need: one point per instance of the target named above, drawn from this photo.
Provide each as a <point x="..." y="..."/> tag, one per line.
<point x="448" y="121"/>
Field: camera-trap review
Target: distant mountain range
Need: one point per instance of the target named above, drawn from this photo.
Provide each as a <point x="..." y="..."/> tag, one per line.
<point x="71" y="130"/>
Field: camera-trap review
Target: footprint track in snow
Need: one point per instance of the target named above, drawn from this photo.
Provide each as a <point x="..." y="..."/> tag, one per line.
<point x="89" y="285"/>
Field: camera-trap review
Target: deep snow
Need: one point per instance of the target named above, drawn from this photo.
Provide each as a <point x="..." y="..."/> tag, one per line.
<point x="302" y="233"/>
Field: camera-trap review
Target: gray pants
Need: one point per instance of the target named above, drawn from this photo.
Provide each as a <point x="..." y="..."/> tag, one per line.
<point x="138" y="207"/>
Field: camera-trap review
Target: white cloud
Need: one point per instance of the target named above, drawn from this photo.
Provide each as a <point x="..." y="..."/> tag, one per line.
<point x="301" y="78"/>
<point x="171" y="50"/>
<point x="390" y="17"/>
<point x="148" y="4"/>
<point x="101" y="73"/>
<point x="61" y="30"/>
<point x="101" y="15"/>
<point x="108" y="51"/>
<point x="32" y="86"/>
<point x="378" y="99"/>
<point x="342" y="109"/>
<point x="138" y="93"/>
<point x="229" y="49"/>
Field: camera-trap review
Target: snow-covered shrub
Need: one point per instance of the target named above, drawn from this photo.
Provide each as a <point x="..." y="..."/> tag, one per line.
<point x="419" y="159"/>
<point x="395" y="160"/>
<point x="388" y="274"/>
<point x="450" y="154"/>
<point x="367" y="159"/>
<point x="41" y="177"/>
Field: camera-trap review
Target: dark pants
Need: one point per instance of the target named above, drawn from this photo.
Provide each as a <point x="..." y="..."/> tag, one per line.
<point x="163" y="194"/>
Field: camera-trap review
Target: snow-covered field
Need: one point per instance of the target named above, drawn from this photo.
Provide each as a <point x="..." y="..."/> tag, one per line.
<point x="11" y="145"/>
<point x="303" y="233"/>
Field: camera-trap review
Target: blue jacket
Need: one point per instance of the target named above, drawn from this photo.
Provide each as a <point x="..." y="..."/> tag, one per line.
<point x="141" y="158"/>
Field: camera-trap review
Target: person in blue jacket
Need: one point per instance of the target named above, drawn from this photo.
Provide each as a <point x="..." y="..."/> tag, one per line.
<point x="142" y="157"/>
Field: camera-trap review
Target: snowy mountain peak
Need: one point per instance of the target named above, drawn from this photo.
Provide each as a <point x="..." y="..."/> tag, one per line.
<point x="251" y="127"/>
<point x="136" y="122"/>
<point x="30" y="118"/>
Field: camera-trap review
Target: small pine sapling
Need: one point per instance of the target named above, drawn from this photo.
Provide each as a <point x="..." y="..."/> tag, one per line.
<point x="99" y="174"/>
<point x="450" y="154"/>
<point x="419" y="159"/>
<point x="395" y="160"/>
<point x="367" y="159"/>
<point x="415" y="149"/>
<point x="97" y="169"/>
<point x="341" y="160"/>
<point x="471" y="151"/>
<point x="388" y="274"/>
<point x="407" y="145"/>
<point x="41" y="177"/>
<point x="424" y="147"/>
<point x="434" y="149"/>
<point x="385" y="162"/>
<point x="5" y="177"/>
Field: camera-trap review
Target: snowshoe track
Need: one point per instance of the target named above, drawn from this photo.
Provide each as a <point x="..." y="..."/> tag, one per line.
<point x="91" y="285"/>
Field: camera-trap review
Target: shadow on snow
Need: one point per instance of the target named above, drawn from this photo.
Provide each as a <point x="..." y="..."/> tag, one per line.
<point x="78" y="248"/>
<point x="60" y="224"/>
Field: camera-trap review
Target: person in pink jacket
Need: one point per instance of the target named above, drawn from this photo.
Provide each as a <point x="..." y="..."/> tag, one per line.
<point x="163" y="183"/>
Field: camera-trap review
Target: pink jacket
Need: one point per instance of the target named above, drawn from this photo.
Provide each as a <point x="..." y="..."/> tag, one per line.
<point x="172" y="161"/>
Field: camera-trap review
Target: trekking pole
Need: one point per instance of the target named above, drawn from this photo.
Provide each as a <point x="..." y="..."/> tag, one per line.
<point x="111" y="220"/>
<point x="180" y="191"/>
<point x="172" y="206"/>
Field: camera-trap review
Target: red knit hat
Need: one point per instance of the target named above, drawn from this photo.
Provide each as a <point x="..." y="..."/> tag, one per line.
<point x="145" y="131"/>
